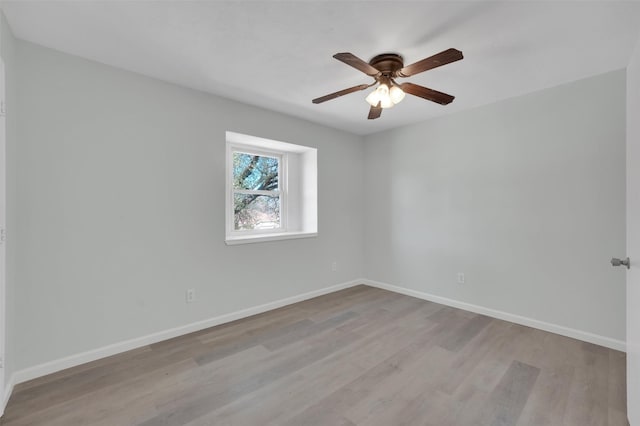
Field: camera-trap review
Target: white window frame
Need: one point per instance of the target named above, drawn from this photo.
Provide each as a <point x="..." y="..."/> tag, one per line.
<point x="298" y="183"/>
<point x="281" y="191"/>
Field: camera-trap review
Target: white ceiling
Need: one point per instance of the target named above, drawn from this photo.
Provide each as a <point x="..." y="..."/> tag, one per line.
<point x="278" y="55"/>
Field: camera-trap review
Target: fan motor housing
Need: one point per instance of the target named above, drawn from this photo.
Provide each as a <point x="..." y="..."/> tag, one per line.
<point x="387" y="63"/>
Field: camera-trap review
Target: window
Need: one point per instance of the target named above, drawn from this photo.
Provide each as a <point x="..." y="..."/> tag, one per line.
<point x="271" y="190"/>
<point x="258" y="193"/>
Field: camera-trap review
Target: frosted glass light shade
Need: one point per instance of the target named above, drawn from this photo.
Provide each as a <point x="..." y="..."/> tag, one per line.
<point x="396" y="94"/>
<point x="385" y="102"/>
<point x="373" y="98"/>
<point x="381" y="94"/>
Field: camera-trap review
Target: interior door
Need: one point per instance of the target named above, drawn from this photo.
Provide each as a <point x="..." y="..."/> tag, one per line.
<point x="633" y="239"/>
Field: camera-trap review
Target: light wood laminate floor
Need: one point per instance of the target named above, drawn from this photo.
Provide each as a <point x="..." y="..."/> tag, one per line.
<point x="361" y="356"/>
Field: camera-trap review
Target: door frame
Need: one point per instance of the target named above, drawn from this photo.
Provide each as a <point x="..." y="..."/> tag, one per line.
<point x="3" y="221"/>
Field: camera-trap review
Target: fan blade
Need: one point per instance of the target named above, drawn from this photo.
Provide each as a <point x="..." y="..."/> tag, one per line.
<point x="426" y="93"/>
<point x="437" y="60"/>
<point x="374" y="112"/>
<point x="340" y="93"/>
<point x="357" y="63"/>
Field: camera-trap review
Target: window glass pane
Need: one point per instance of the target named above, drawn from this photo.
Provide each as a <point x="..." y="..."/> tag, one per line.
<point x="255" y="172"/>
<point x="256" y="212"/>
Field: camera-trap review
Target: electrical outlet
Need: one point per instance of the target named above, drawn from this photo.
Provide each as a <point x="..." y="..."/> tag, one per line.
<point x="334" y="266"/>
<point x="460" y="277"/>
<point x="191" y="295"/>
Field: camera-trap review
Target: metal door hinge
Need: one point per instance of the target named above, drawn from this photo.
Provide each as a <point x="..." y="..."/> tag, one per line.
<point x="3" y="235"/>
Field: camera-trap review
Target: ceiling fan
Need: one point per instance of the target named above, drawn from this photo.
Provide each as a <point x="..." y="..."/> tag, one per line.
<point x="385" y="69"/>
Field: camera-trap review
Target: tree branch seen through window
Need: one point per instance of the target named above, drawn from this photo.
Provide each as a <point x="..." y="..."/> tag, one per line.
<point x="256" y="191"/>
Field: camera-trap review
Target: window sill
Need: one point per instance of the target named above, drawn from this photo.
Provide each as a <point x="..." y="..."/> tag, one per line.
<point x="251" y="239"/>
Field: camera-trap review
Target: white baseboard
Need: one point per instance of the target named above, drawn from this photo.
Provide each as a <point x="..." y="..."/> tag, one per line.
<point x="608" y="342"/>
<point x="116" y="348"/>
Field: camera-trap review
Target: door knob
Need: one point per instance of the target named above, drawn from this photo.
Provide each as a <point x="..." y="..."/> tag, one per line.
<point x="617" y="262"/>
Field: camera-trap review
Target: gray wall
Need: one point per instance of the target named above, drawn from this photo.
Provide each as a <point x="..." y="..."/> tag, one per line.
<point x="525" y="196"/>
<point x="121" y="206"/>
<point x="7" y="48"/>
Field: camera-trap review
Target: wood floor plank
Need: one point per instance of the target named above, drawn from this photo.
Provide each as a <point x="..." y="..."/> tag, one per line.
<point x="470" y="409"/>
<point x="549" y="398"/>
<point x="362" y="356"/>
<point x="414" y="405"/>
<point x="588" y="396"/>
<point x="328" y="409"/>
<point x="266" y="406"/>
<point x="464" y="363"/>
<point x="253" y="327"/>
<point x="510" y="396"/>
<point x="617" y="400"/>
<point x="547" y="404"/>
<point x="467" y="331"/>
<point x="205" y="401"/>
<point x="240" y="343"/>
<point x="285" y="339"/>
<point x="388" y="401"/>
<point x="480" y="366"/>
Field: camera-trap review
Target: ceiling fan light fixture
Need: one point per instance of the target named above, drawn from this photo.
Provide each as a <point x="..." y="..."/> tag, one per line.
<point x="380" y="96"/>
<point x="384" y="69"/>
